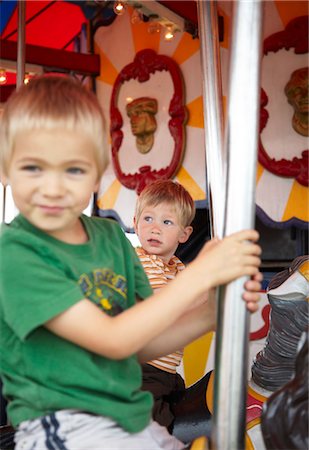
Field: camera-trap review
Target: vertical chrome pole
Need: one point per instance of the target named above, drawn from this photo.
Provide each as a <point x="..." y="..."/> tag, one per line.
<point x="20" y="71"/>
<point x="3" y="204"/>
<point x="21" y="43"/>
<point x="241" y="142"/>
<point x="213" y="112"/>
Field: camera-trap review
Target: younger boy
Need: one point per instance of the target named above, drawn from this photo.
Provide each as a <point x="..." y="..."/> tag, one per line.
<point x="72" y="334"/>
<point x="163" y="216"/>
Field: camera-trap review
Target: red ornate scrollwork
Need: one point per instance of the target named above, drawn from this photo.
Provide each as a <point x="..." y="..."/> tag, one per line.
<point x="294" y="36"/>
<point x="147" y="62"/>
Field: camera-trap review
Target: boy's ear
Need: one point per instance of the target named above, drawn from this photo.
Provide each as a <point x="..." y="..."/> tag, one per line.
<point x="186" y="233"/>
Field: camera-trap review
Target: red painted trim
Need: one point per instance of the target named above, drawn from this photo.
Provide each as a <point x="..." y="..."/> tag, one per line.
<point x="147" y="62"/>
<point x="79" y="63"/>
<point x="263" y="331"/>
<point x="6" y="91"/>
<point x="294" y="36"/>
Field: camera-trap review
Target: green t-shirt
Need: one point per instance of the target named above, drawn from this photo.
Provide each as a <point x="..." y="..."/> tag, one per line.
<point x="42" y="277"/>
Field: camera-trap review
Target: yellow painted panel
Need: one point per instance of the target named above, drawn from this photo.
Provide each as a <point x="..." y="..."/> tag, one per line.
<point x="253" y="423"/>
<point x="192" y="187"/>
<point x="200" y="443"/>
<point x="108" y="72"/>
<point x="259" y="171"/>
<point x="108" y="199"/>
<point x="210" y="393"/>
<point x="304" y="270"/>
<point x="195" y="110"/>
<point x="248" y="443"/>
<point x="298" y="203"/>
<point x="186" y="47"/>
<point x="142" y="39"/>
<point x="288" y="10"/>
<point x="195" y="358"/>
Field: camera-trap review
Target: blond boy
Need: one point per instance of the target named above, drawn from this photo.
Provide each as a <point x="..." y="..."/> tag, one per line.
<point x="72" y="334"/>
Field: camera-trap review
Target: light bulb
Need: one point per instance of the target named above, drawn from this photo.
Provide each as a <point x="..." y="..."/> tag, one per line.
<point x="27" y="78"/>
<point x="119" y="8"/>
<point x="169" y="33"/>
<point x="2" y="76"/>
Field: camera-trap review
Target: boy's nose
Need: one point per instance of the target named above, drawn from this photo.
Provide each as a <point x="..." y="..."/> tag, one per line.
<point x="156" y="229"/>
<point x="52" y="185"/>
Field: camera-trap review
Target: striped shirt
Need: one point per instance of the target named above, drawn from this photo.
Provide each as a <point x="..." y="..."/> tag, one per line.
<point x="159" y="274"/>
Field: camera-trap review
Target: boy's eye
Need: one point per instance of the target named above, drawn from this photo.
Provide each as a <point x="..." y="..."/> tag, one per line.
<point x="148" y="219"/>
<point x="168" y="222"/>
<point x="75" y="170"/>
<point x="31" y="168"/>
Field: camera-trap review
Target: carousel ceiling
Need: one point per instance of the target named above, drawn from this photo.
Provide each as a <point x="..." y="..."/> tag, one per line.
<point x="53" y="28"/>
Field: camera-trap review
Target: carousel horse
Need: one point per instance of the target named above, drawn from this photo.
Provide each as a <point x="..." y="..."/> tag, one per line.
<point x="287" y="294"/>
<point x="273" y="366"/>
<point x="284" y="420"/>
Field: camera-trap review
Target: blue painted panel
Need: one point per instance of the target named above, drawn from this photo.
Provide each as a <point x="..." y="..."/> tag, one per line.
<point x="7" y="8"/>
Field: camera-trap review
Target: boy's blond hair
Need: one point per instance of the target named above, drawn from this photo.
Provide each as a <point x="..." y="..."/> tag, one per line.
<point x="171" y="192"/>
<point x="52" y="102"/>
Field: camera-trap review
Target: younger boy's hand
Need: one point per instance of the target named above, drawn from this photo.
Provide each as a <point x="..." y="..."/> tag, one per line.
<point x="252" y="295"/>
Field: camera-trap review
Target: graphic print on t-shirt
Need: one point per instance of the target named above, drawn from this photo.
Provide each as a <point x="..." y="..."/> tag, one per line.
<point x="106" y="289"/>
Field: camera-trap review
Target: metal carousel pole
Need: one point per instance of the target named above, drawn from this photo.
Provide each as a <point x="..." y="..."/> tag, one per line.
<point x="213" y="112"/>
<point x="21" y="58"/>
<point x="241" y="142"/>
<point x="20" y="71"/>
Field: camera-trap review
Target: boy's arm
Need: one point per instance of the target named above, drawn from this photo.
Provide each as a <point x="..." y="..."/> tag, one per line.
<point x="196" y="322"/>
<point x="190" y="326"/>
<point x="127" y="333"/>
<point x="123" y="335"/>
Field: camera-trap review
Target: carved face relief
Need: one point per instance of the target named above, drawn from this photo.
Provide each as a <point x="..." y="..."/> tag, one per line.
<point x="141" y="112"/>
<point x="142" y="119"/>
<point x="294" y="38"/>
<point x="297" y="91"/>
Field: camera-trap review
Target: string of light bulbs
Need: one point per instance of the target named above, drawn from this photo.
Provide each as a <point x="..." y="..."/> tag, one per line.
<point x="137" y="17"/>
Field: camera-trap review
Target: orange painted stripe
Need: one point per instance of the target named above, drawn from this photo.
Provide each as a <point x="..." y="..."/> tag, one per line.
<point x="288" y="10"/>
<point x="259" y="172"/>
<point x="195" y="358"/>
<point x="189" y="183"/>
<point x="253" y="423"/>
<point x="256" y="395"/>
<point x="200" y="443"/>
<point x="298" y="203"/>
<point x="187" y="46"/>
<point x="108" y="72"/>
<point x="210" y="393"/>
<point x="304" y="270"/>
<point x="248" y="443"/>
<point x="108" y="199"/>
<point x="195" y="110"/>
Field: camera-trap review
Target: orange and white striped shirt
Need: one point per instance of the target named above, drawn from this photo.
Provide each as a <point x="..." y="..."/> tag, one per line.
<point x="159" y="274"/>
